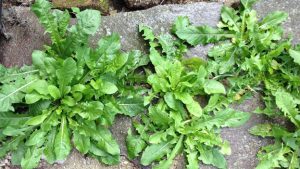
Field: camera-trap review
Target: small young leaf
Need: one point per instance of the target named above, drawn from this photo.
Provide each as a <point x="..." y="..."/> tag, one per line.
<point x="155" y="152"/>
<point x="54" y="91"/>
<point x="214" y="87"/>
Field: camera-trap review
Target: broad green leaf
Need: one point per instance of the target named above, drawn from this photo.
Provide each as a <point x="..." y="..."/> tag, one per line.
<point x="109" y="88"/>
<point x="88" y="21"/>
<point x="233" y="118"/>
<point x="158" y="84"/>
<point x="147" y="32"/>
<point x="12" y="119"/>
<point x="193" y="107"/>
<point x="91" y="110"/>
<point x="54" y="91"/>
<point x="32" y="158"/>
<point x="131" y="106"/>
<point x="66" y="73"/>
<point x="134" y="144"/>
<point x="170" y="100"/>
<point x="213" y="157"/>
<point x="10" y="94"/>
<point x="295" y="55"/>
<point x="273" y="157"/>
<point x="263" y="130"/>
<point x="287" y="104"/>
<point x="201" y="35"/>
<point x="82" y="143"/>
<point x="46" y="65"/>
<point x="229" y="16"/>
<point x="192" y="160"/>
<point x="62" y="141"/>
<point x="42" y="9"/>
<point x="118" y="61"/>
<point x="168" y="47"/>
<point x="13" y="131"/>
<point x="37" y="119"/>
<point x="158" y="115"/>
<point x="273" y="19"/>
<point x="158" y="137"/>
<point x="180" y="23"/>
<point x="40" y="86"/>
<point x="63" y="20"/>
<point x="223" y="118"/>
<point x="105" y="141"/>
<point x="109" y="45"/>
<point x="103" y="156"/>
<point x="166" y="164"/>
<point x="37" y="138"/>
<point x="33" y="98"/>
<point x="214" y="87"/>
<point x="155" y="152"/>
<point x="69" y="101"/>
<point x="18" y="154"/>
<point x="49" y="150"/>
<point x="197" y="35"/>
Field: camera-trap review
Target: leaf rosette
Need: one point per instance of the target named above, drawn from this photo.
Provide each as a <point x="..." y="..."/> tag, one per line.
<point x="71" y="94"/>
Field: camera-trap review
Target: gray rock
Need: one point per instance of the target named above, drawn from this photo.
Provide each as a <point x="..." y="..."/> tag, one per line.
<point x="160" y="18"/>
<point x="142" y="4"/>
<point x="26" y="36"/>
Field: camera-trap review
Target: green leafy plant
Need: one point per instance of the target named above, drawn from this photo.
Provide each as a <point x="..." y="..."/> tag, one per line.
<point x="254" y="56"/>
<point x="176" y="122"/>
<point x="71" y="93"/>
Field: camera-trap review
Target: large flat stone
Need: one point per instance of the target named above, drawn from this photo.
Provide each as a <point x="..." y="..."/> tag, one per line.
<point x="102" y="5"/>
<point x="27" y="35"/>
<point x="160" y="18"/>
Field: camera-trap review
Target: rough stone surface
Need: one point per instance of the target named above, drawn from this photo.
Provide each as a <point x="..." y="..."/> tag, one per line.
<point x="126" y="24"/>
<point x="102" y="5"/>
<point x="142" y="4"/>
<point x="138" y="4"/>
<point x="27" y="35"/>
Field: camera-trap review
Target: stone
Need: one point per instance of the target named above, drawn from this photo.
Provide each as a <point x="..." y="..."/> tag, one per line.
<point x="102" y="5"/>
<point x="126" y="24"/>
<point x="26" y="35"/>
<point x="143" y="4"/>
<point x="134" y="4"/>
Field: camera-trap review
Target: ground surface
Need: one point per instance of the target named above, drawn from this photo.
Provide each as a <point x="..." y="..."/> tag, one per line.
<point x="27" y="35"/>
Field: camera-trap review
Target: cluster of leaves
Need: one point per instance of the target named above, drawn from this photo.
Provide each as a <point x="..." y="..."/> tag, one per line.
<point x="71" y="93"/>
<point x="254" y="56"/>
<point x="176" y="122"/>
